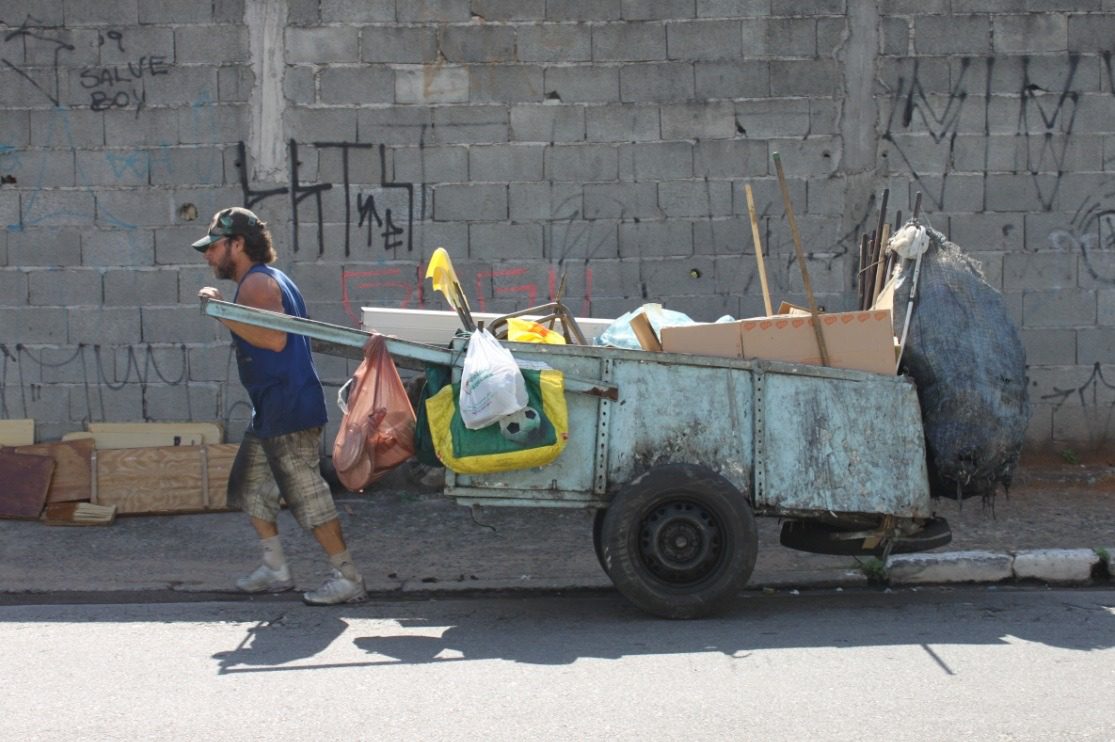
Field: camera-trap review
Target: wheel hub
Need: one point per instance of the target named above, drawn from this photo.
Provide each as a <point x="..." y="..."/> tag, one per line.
<point x="680" y="542"/>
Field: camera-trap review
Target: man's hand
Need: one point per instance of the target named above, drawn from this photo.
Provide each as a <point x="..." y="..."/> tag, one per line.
<point x="210" y="293"/>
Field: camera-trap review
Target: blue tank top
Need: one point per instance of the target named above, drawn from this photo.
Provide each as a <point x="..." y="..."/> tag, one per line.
<point x="284" y="386"/>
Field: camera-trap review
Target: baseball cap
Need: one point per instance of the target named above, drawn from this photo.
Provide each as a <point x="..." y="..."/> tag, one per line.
<point x="227" y="223"/>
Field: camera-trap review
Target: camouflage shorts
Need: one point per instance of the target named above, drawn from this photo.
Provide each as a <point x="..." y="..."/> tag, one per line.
<point x="286" y="467"/>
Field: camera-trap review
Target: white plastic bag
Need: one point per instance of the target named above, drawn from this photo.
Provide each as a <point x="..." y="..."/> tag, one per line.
<point x="491" y="383"/>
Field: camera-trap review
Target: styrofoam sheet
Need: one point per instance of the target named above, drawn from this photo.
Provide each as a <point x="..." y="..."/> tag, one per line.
<point x="436" y="327"/>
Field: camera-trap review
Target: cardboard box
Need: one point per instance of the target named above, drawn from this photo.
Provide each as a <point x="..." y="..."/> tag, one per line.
<point x="704" y="339"/>
<point x="854" y="340"/>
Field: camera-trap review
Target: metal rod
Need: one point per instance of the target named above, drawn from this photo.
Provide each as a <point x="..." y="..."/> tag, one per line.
<point x="909" y="312"/>
<point x="801" y="260"/>
<point x="350" y="337"/>
<point x="758" y="248"/>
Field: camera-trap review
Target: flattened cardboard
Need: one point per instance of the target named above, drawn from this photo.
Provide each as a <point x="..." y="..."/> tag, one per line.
<point x="721" y="339"/>
<point x="855" y="340"/>
<point x="862" y="341"/>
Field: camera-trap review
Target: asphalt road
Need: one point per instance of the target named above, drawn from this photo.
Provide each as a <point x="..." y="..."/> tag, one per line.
<point x="930" y="664"/>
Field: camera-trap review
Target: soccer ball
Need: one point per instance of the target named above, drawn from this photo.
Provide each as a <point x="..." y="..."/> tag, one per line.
<point x="520" y="427"/>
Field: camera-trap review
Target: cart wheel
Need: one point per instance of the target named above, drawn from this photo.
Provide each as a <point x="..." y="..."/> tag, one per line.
<point x="598" y="537"/>
<point x="679" y="541"/>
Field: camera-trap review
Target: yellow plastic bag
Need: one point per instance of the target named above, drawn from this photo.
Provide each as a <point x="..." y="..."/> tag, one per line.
<point x="534" y="437"/>
<point x="525" y="331"/>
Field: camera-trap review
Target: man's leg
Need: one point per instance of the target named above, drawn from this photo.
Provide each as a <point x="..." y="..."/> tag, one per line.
<point x="252" y="488"/>
<point x="333" y="541"/>
<point x="295" y="463"/>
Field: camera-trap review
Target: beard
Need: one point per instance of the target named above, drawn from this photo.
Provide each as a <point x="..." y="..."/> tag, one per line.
<point x="224" y="269"/>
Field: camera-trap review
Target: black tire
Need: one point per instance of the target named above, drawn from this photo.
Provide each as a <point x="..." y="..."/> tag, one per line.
<point x="598" y="537"/>
<point x="827" y="538"/>
<point x="679" y="541"/>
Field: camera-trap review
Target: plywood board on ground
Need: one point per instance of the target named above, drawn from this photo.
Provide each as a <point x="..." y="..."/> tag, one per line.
<point x="73" y="477"/>
<point x="17" y="432"/>
<point x="164" y="479"/>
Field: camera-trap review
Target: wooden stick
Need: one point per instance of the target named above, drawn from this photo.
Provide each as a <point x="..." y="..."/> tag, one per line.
<point x="880" y="267"/>
<point x="758" y="248"/>
<point x="801" y="260"/>
<point x="882" y="219"/>
<point x="860" y="293"/>
<point x="867" y="269"/>
<point x="876" y="250"/>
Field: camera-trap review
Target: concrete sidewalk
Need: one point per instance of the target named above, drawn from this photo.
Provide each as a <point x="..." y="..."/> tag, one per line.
<point x="1057" y="526"/>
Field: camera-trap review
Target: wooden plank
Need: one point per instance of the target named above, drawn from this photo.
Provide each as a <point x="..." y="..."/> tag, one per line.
<point x="17" y="432"/>
<point x="164" y="479"/>
<point x="78" y="514"/>
<point x="644" y="332"/>
<point x="107" y="440"/>
<point x="24" y="481"/>
<point x="73" y="477"/>
<point x="207" y="433"/>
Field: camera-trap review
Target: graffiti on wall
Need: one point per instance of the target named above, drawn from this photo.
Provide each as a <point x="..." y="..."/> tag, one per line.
<point x="1042" y="137"/>
<point x="109" y="86"/>
<point x="381" y="215"/>
<point x="1045" y="121"/>
<point x="121" y="85"/>
<point x="1091" y="233"/>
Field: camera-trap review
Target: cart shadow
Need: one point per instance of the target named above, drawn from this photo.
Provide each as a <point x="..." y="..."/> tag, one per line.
<point x="559" y="633"/>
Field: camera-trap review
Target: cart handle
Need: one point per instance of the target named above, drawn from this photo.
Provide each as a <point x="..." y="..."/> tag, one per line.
<point x="350" y="337"/>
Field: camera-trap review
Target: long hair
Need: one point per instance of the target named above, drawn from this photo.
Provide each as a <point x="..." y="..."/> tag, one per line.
<point x="257" y="244"/>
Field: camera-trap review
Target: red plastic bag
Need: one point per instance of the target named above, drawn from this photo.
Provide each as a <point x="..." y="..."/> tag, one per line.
<point x="377" y="431"/>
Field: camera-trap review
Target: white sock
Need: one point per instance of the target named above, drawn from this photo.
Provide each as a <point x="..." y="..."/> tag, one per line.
<point x="342" y="562"/>
<point x="272" y="552"/>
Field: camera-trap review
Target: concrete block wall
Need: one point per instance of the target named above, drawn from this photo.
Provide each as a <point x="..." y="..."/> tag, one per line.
<point x="606" y="142"/>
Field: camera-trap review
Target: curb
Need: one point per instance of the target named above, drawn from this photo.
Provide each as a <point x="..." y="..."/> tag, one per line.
<point x="1051" y="566"/>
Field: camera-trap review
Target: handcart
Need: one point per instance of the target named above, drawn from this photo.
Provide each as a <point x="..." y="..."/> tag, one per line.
<point x="678" y="454"/>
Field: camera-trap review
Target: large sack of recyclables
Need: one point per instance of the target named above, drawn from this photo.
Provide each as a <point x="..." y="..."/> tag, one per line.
<point x="966" y="358"/>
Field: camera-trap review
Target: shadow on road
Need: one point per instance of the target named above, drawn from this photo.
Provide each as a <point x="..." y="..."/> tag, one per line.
<point x="562" y="630"/>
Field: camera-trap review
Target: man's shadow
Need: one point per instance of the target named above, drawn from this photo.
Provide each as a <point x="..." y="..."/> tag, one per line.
<point x="271" y="643"/>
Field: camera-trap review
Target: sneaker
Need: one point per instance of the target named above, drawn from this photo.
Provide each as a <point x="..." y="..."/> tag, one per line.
<point x="336" y="590"/>
<point x="267" y="580"/>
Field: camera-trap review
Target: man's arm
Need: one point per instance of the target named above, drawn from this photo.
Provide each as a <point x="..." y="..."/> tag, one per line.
<point x="262" y="292"/>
